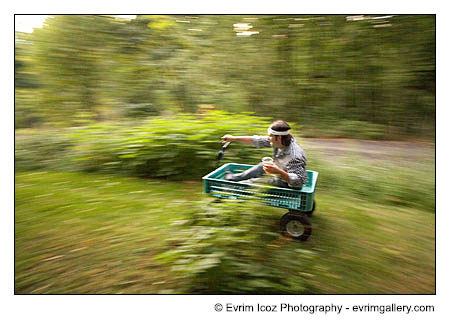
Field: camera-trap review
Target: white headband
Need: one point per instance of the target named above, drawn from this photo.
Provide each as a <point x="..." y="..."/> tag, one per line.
<point x="271" y="131"/>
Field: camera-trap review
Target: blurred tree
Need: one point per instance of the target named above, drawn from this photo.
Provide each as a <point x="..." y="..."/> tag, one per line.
<point x="320" y="71"/>
<point x="22" y="79"/>
<point x="72" y="54"/>
<point x="25" y="83"/>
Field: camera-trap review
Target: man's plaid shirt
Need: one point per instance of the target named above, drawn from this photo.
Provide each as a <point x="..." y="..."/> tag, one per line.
<point x="291" y="159"/>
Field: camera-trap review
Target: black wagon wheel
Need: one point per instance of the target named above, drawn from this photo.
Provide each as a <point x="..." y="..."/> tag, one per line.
<point x="296" y="225"/>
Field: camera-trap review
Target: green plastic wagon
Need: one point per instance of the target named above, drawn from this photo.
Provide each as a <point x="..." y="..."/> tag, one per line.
<point x="296" y="223"/>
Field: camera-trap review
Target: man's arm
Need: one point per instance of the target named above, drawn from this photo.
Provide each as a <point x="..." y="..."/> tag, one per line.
<point x="255" y="140"/>
<point x="242" y="139"/>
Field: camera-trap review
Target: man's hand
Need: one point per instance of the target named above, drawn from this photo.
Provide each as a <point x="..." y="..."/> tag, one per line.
<point x="227" y="138"/>
<point x="272" y="169"/>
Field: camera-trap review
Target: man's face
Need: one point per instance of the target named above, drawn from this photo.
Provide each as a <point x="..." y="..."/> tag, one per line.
<point x="275" y="141"/>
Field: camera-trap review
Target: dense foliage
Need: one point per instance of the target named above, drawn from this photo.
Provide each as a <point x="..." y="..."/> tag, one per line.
<point x="234" y="247"/>
<point x="337" y="75"/>
<point x="184" y="146"/>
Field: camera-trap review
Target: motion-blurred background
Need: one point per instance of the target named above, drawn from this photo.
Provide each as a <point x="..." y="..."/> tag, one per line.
<point x="118" y="117"/>
<point x="335" y="74"/>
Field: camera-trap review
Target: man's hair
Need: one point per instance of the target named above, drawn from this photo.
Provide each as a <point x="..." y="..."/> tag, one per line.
<point x="281" y="126"/>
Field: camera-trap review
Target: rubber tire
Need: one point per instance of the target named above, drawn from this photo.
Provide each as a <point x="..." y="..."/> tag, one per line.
<point x="303" y="219"/>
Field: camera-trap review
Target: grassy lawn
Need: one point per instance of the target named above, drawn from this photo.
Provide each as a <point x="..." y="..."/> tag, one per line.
<point x="85" y="233"/>
<point x="81" y="233"/>
<point x="373" y="249"/>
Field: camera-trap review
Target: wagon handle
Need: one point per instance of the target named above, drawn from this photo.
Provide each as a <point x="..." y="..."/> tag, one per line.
<point x="222" y="151"/>
<point x="224" y="147"/>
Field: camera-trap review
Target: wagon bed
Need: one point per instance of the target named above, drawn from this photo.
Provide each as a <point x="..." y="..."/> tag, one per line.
<point x="302" y="200"/>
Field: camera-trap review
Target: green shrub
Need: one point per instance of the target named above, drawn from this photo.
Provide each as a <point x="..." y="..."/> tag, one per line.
<point x="44" y="150"/>
<point x="182" y="147"/>
<point x="235" y="247"/>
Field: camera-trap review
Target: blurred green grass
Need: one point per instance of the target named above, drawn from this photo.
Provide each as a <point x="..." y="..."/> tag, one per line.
<point x="370" y="248"/>
<point x="79" y="233"/>
<point x="85" y="233"/>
